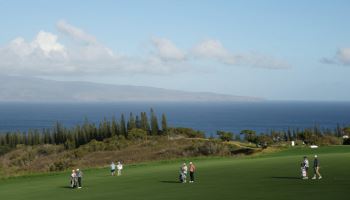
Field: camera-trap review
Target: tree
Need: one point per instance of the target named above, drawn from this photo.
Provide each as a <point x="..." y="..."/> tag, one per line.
<point x="144" y="122"/>
<point x="114" y="127"/>
<point x="264" y="140"/>
<point x="225" y="135"/>
<point x="122" y="126"/>
<point x="249" y="135"/>
<point x="70" y="142"/>
<point x="154" y="123"/>
<point x="138" y="122"/>
<point x="131" y="122"/>
<point x="164" y="124"/>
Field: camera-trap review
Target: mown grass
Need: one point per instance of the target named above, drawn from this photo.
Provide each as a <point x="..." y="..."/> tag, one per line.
<point x="265" y="176"/>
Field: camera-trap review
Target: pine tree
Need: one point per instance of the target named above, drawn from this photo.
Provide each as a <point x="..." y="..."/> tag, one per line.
<point x="123" y="130"/>
<point x="131" y="122"/>
<point x="138" y="122"/>
<point x="144" y="122"/>
<point x="154" y="123"/>
<point x="114" y="127"/>
<point x="164" y="124"/>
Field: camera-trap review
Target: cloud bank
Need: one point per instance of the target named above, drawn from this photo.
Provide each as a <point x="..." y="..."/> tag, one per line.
<point x="213" y="49"/>
<point x="83" y="54"/>
<point x="342" y="57"/>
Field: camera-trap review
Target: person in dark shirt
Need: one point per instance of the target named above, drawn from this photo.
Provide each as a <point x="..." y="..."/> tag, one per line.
<point x="316" y="168"/>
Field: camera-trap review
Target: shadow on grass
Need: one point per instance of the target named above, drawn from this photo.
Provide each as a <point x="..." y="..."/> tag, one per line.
<point x="66" y="187"/>
<point x="169" y="181"/>
<point x="285" y="177"/>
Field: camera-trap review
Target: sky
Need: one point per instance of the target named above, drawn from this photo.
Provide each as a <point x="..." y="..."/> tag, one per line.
<point x="278" y="50"/>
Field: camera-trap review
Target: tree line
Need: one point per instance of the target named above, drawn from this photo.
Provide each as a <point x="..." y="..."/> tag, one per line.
<point x="82" y="134"/>
<point x="309" y="136"/>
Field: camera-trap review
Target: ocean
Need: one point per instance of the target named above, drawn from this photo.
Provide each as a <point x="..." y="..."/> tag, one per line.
<point x="208" y="117"/>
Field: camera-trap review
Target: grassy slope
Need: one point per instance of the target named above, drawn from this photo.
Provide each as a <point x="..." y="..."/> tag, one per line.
<point x="274" y="176"/>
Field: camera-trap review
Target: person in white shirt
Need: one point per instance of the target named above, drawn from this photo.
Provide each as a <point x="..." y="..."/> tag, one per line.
<point x="113" y="169"/>
<point x="119" y="167"/>
<point x="73" y="179"/>
<point x="306" y="166"/>
<point x="184" y="172"/>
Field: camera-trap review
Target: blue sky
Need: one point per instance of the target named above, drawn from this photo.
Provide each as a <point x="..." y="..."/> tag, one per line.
<point x="279" y="50"/>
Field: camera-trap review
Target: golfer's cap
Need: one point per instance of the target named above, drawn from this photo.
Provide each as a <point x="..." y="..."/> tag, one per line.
<point x="315" y="156"/>
<point x="190" y="163"/>
<point x="77" y="169"/>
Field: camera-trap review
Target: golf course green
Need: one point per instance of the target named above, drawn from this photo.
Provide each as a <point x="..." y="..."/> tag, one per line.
<point x="264" y="176"/>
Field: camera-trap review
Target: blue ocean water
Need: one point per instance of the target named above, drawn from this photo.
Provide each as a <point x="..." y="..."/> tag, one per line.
<point x="208" y="117"/>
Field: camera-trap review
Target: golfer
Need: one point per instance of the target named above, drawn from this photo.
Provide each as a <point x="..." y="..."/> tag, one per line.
<point x="303" y="171"/>
<point x="316" y="168"/>
<point x="306" y="165"/>
<point x="80" y="176"/>
<point x="120" y="168"/>
<point x="73" y="179"/>
<point x="184" y="172"/>
<point x="192" y="170"/>
<point x="113" y="169"/>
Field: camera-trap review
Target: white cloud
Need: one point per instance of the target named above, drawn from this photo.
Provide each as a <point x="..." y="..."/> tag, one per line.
<point x="342" y="57"/>
<point x="167" y="50"/>
<point x="44" y="42"/>
<point x="213" y="49"/>
<point x="75" y="33"/>
<point x="46" y="55"/>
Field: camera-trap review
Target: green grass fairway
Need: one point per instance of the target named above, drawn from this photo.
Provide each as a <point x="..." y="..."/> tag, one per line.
<point x="274" y="176"/>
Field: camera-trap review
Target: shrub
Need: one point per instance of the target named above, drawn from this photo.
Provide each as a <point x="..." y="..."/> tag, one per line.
<point x="137" y="134"/>
<point x="60" y="165"/>
<point x="224" y="135"/>
<point x="346" y="141"/>
<point x="263" y="141"/>
<point x="329" y="140"/>
<point x="207" y="148"/>
<point x="4" y="150"/>
<point x="189" y="132"/>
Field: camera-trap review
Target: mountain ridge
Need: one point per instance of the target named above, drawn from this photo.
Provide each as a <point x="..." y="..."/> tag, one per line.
<point x="28" y="89"/>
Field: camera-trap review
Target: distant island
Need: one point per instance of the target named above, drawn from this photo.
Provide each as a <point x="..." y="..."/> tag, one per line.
<point x="23" y="89"/>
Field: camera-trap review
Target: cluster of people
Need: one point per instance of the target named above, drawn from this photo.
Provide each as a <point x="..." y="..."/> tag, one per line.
<point x="77" y="175"/>
<point x="76" y="179"/>
<point x="305" y="168"/>
<point x="119" y="167"/>
<point x="184" y="170"/>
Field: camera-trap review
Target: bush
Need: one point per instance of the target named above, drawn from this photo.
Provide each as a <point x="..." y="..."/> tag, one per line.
<point x="4" y="150"/>
<point x="60" y="165"/>
<point x="263" y="141"/>
<point x="93" y="146"/>
<point x="189" y="132"/>
<point x="207" y="148"/>
<point x="329" y="140"/>
<point x="346" y="141"/>
<point x="137" y="134"/>
<point x="225" y="136"/>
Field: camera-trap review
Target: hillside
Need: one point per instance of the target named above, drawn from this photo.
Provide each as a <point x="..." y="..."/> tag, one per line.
<point x="49" y="158"/>
<point x="273" y="176"/>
